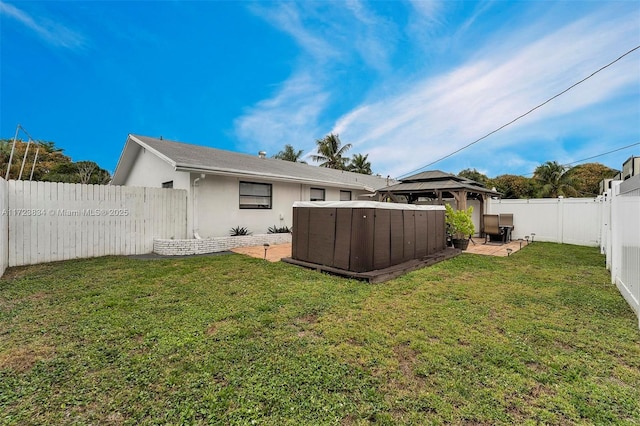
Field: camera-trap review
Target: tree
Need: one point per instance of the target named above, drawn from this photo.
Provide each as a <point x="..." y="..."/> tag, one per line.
<point x="359" y="164"/>
<point x="554" y="181"/>
<point x="512" y="186"/>
<point x="475" y="175"/>
<point x="48" y="157"/>
<point x="330" y="152"/>
<point x="90" y="172"/>
<point x="588" y="176"/>
<point x="51" y="164"/>
<point x="290" y="154"/>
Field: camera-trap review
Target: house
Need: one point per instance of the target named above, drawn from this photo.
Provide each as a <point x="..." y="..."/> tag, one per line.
<point x="436" y="187"/>
<point x="227" y="189"/>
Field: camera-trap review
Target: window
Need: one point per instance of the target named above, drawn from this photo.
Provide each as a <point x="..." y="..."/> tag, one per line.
<point x="317" y="194"/>
<point x="168" y="184"/>
<point x="255" y="195"/>
<point x="345" y="195"/>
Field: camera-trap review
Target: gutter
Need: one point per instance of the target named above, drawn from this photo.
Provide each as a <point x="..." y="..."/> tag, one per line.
<point x="279" y="178"/>
<point x="196" y="228"/>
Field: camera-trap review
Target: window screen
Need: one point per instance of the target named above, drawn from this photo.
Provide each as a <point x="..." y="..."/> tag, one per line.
<point x="345" y="195"/>
<point x="317" y="194"/>
<point x="255" y="195"/>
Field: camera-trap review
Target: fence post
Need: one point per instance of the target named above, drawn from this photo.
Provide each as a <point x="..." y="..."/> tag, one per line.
<point x="561" y="219"/>
<point x="4" y="226"/>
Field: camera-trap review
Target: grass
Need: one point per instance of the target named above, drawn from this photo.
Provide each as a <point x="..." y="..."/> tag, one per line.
<point x="538" y="337"/>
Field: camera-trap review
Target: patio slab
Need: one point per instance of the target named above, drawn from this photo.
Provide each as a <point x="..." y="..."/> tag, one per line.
<point x="276" y="252"/>
<point x="494" y="249"/>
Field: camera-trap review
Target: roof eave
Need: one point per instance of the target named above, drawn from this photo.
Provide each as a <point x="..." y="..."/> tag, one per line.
<point x="269" y="176"/>
<point x="154" y="151"/>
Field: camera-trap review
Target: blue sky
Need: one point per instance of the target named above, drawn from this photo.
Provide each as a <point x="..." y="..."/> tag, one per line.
<point x="407" y="82"/>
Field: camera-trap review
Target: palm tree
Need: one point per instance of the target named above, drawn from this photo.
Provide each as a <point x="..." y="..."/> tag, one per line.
<point x="290" y="154"/>
<point x="359" y="164"/>
<point x="554" y="180"/>
<point x="330" y="152"/>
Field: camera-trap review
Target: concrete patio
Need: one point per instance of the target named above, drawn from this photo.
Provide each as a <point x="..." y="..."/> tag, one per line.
<point x="276" y="252"/>
<point x="494" y="249"/>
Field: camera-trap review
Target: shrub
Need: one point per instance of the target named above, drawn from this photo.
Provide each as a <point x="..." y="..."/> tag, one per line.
<point x="459" y="223"/>
<point x="238" y="231"/>
<point x="276" y="230"/>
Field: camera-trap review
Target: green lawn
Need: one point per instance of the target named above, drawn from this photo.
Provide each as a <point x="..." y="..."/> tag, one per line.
<point x="538" y="337"/>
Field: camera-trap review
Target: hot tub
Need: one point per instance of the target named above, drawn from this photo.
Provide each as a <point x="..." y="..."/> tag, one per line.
<point x="362" y="236"/>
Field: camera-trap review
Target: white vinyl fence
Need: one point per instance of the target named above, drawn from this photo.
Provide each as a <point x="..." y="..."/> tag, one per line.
<point x="559" y="220"/>
<point x="50" y="221"/>
<point x="4" y="227"/>
<point x="621" y="239"/>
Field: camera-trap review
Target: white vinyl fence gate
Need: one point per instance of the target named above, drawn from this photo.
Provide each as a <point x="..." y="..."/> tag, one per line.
<point x="48" y="221"/>
<point x="621" y="238"/>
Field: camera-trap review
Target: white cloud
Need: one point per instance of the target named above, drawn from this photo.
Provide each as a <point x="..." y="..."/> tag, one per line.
<point x="438" y="115"/>
<point x="428" y="14"/>
<point x="288" y="117"/>
<point x="405" y="124"/>
<point x="288" y="18"/>
<point x="329" y="36"/>
<point x="51" y="32"/>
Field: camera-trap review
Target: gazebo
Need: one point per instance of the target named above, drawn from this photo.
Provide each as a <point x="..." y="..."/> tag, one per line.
<point x="432" y="187"/>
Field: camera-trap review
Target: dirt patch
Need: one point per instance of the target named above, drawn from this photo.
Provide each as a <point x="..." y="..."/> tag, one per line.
<point x="6" y="304"/>
<point x="307" y="319"/>
<point x="302" y="324"/>
<point x="24" y="358"/>
<point x="407" y="359"/>
<point x="213" y="328"/>
<point x="115" y="418"/>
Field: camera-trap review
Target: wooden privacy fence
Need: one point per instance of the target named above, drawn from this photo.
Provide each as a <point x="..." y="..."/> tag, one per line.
<point x="4" y="227"/>
<point x="50" y="221"/>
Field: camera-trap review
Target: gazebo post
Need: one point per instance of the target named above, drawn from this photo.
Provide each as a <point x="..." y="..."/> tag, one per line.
<point x="461" y="199"/>
<point x="483" y="197"/>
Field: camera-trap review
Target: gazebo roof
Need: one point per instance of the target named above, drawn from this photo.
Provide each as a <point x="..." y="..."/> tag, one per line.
<point x="435" y="180"/>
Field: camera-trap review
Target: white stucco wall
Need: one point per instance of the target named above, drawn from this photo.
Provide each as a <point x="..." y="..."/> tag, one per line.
<point x="150" y="171"/>
<point x="217" y="202"/>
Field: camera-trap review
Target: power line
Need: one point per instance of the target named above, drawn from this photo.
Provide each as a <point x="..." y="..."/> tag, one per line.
<point x="594" y="156"/>
<point x="600" y="155"/>
<point x="525" y="114"/>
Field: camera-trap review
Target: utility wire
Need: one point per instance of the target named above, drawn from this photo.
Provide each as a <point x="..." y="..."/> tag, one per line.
<point x="592" y="157"/>
<point x="600" y="155"/>
<point x="523" y="115"/>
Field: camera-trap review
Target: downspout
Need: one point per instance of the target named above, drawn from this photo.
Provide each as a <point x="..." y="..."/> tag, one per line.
<point x="195" y="206"/>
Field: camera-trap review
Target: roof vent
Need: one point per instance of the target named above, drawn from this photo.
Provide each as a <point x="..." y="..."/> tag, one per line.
<point x="262" y="154"/>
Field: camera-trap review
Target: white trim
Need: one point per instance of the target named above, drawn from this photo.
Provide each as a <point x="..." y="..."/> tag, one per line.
<point x="364" y="205"/>
<point x="273" y="177"/>
<point x="147" y="147"/>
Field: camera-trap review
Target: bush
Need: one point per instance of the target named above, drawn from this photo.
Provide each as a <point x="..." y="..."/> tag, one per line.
<point x="459" y="223"/>
<point x="282" y="230"/>
<point x="238" y="231"/>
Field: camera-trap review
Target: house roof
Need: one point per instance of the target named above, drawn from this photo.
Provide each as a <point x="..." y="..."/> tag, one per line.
<point x="201" y="159"/>
<point x="435" y="180"/>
